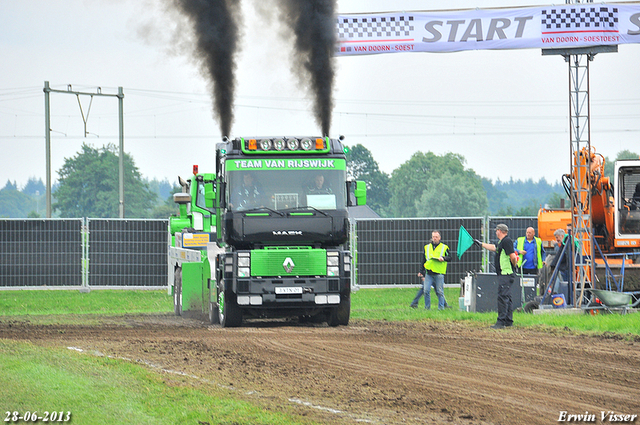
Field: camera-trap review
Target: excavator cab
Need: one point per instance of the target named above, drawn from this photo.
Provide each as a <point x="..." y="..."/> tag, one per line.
<point x="628" y="203"/>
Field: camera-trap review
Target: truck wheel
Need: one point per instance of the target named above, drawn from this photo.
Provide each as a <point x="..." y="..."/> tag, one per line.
<point x="340" y="315"/>
<point x="229" y="314"/>
<point x="177" y="291"/>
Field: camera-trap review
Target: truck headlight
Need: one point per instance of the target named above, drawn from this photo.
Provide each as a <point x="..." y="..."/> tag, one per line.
<point x="278" y="144"/>
<point x="292" y="144"/>
<point x="333" y="261"/>
<point x="265" y="144"/>
<point x="244" y="264"/>
<point x="333" y="271"/>
<point x="306" y="144"/>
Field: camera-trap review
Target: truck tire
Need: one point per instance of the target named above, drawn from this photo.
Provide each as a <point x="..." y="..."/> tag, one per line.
<point x="177" y="291"/>
<point x="229" y="313"/>
<point x="340" y="315"/>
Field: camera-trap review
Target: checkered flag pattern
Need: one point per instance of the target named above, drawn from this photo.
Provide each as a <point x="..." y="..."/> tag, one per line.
<point x="580" y="18"/>
<point x="386" y="26"/>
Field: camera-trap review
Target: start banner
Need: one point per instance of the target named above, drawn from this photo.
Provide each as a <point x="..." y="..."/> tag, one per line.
<point x="560" y="26"/>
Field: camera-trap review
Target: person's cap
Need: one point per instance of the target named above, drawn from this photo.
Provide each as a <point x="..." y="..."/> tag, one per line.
<point x="502" y="227"/>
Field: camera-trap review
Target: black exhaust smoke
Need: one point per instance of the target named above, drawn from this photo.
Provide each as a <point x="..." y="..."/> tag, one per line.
<point x="313" y="24"/>
<point x="216" y="28"/>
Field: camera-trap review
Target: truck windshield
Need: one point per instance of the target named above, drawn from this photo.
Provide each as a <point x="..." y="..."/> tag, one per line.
<point x="286" y="189"/>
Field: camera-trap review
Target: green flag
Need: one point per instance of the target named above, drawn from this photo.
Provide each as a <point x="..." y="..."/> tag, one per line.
<point x="465" y="241"/>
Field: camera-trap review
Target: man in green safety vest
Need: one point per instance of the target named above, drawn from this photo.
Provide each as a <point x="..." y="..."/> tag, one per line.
<point x="436" y="256"/>
<point x="532" y="254"/>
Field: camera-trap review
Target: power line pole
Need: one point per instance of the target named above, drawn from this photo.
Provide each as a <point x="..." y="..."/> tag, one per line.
<point x="47" y="123"/>
<point x="121" y="152"/>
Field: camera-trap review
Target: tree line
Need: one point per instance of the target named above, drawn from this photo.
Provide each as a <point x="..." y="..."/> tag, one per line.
<point x="88" y="186"/>
<point x="426" y="185"/>
<point x="429" y="185"/>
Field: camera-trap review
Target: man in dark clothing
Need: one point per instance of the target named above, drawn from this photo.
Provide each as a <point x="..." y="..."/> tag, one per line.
<point x="635" y="198"/>
<point x="505" y="263"/>
<point x="563" y="267"/>
<point x="248" y="195"/>
<point x="318" y="186"/>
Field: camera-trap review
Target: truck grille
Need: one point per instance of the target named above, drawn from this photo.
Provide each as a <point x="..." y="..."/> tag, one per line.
<point x="289" y="262"/>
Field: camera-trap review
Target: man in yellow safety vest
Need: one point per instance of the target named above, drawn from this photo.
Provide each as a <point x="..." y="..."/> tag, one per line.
<point x="436" y="256"/>
<point x="532" y="254"/>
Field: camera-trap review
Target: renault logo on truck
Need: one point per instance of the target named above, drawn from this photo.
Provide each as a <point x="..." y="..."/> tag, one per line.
<point x="288" y="265"/>
<point x="287" y="232"/>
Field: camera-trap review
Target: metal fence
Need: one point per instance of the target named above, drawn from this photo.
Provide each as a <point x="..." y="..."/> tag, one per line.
<point x="82" y="252"/>
<point x="37" y="252"/>
<point x="127" y="252"/>
<point x="391" y="251"/>
<point x="104" y="253"/>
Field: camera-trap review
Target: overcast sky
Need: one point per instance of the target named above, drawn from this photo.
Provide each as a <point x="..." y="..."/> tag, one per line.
<point x="506" y="111"/>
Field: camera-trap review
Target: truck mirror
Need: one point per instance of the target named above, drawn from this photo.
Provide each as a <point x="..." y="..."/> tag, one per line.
<point x="361" y="192"/>
<point x="356" y="193"/>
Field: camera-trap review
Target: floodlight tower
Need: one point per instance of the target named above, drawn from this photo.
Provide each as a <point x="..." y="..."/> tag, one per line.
<point x="581" y="257"/>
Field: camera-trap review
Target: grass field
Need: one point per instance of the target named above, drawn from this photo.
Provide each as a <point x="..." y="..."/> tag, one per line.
<point x="109" y="391"/>
<point x="390" y="304"/>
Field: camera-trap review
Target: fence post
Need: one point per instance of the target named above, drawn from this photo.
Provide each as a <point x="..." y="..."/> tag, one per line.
<point x="85" y="255"/>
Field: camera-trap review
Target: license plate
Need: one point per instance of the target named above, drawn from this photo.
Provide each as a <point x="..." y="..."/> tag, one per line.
<point x="289" y="290"/>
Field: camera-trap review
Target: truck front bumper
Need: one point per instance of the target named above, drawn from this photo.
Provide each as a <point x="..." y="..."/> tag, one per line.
<point x="290" y="291"/>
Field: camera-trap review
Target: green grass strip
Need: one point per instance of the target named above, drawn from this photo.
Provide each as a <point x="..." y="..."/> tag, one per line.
<point x="392" y="304"/>
<point x="389" y="304"/>
<point x="109" y="302"/>
<point x="99" y="390"/>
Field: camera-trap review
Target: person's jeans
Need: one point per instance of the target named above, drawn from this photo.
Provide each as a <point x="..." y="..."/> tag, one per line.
<point x="437" y="281"/>
<point x="416" y="299"/>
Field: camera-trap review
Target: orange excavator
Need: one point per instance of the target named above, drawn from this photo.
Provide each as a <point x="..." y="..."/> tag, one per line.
<point x="615" y="219"/>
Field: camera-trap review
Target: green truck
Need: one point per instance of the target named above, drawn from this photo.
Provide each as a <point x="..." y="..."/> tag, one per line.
<point x="267" y="235"/>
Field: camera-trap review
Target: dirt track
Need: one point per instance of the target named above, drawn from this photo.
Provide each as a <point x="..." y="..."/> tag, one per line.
<point x="378" y="372"/>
